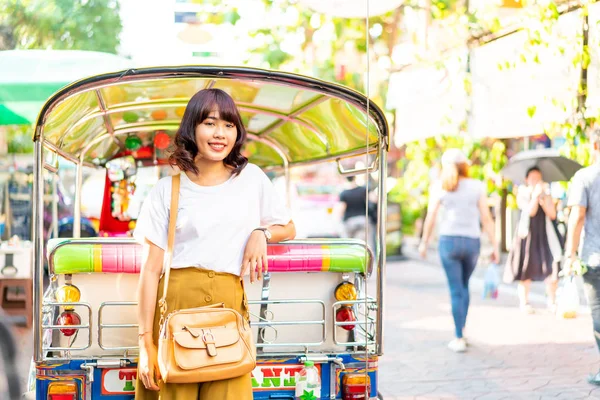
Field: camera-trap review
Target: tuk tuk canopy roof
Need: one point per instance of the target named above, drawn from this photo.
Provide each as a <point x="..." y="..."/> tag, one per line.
<point x="290" y="118"/>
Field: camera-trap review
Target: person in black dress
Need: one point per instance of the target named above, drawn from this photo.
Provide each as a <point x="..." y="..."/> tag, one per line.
<point x="535" y="253"/>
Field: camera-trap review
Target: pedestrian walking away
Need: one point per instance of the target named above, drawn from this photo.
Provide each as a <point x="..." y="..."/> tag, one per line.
<point x="355" y="218"/>
<point x="536" y="251"/>
<point x="463" y="203"/>
<point x="218" y="237"/>
<point x="584" y="200"/>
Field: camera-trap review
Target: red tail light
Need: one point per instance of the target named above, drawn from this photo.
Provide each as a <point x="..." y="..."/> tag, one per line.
<point x="345" y="314"/>
<point x="356" y="386"/>
<point x="68" y="318"/>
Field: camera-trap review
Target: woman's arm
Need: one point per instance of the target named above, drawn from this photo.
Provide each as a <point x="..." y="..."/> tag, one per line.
<point x="255" y="253"/>
<point x="548" y="206"/>
<point x="432" y="210"/>
<point x="488" y="225"/>
<point x="148" y="285"/>
<point x="146" y="298"/>
<point x="279" y="233"/>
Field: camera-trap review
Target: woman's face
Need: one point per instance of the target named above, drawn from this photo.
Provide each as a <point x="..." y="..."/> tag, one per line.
<point x="215" y="138"/>
<point x="534" y="178"/>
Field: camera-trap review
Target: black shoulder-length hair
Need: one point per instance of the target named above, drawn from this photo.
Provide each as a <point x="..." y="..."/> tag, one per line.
<point x="197" y="110"/>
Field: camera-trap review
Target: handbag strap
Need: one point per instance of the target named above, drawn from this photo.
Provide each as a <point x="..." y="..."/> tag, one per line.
<point x="162" y="303"/>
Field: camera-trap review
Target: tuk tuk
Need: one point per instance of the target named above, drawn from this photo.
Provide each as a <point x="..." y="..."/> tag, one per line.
<point x="322" y="300"/>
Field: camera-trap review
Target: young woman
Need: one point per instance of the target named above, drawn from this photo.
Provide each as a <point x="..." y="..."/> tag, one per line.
<point x="464" y="205"/>
<point x="228" y="211"/>
<point x="537" y="249"/>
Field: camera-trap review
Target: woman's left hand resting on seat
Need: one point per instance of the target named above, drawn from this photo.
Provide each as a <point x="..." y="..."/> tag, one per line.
<point x="255" y="253"/>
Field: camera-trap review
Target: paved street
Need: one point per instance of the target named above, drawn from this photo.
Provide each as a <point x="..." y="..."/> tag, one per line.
<point x="511" y="355"/>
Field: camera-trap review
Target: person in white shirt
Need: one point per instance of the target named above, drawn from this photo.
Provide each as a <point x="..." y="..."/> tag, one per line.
<point x="228" y="211"/>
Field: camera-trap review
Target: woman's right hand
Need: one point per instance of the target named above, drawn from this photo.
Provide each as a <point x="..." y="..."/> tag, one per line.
<point x="148" y="363"/>
<point x="537" y="191"/>
<point x="423" y="250"/>
<point x="495" y="256"/>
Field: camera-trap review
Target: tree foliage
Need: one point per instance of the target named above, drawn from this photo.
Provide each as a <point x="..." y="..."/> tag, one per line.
<point x="60" y="24"/>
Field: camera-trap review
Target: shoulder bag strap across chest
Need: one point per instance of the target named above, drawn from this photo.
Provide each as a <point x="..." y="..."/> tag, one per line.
<point x="168" y="260"/>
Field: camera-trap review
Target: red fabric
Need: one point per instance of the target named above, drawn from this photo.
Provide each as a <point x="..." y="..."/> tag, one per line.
<point x="108" y="223"/>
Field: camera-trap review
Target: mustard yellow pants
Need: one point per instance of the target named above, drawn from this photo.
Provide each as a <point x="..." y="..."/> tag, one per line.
<point x="194" y="287"/>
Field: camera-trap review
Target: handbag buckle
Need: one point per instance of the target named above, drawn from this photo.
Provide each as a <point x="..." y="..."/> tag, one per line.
<point x="209" y="340"/>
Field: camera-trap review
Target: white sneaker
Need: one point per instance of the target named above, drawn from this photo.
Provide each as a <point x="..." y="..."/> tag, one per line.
<point x="458" y="345"/>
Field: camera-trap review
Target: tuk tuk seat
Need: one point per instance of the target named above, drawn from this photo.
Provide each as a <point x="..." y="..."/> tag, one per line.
<point x="93" y="255"/>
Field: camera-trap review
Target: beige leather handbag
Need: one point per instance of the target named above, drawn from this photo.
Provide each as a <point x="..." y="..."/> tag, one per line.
<point x="200" y="344"/>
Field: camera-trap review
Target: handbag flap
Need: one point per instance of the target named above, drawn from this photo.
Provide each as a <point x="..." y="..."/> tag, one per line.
<point x="197" y="337"/>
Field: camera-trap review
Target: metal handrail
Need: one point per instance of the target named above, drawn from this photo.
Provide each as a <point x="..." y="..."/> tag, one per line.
<point x="270" y="323"/>
<point x="366" y="322"/>
<point x="102" y="326"/>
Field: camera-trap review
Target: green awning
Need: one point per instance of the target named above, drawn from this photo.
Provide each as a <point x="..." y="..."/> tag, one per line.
<point x="8" y="117"/>
<point x="29" y="77"/>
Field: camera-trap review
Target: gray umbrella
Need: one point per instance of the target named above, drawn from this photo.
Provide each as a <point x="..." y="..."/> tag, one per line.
<point x="554" y="167"/>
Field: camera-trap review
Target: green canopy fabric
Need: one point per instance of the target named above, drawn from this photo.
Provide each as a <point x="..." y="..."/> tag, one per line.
<point x="8" y="117"/>
<point x="29" y="77"/>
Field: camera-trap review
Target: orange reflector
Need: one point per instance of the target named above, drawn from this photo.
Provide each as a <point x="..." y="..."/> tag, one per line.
<point x="68" y="294"/>
<point x="345" y="291"/>
<point x="62" y="391"/>
<point x="356" y="379"/>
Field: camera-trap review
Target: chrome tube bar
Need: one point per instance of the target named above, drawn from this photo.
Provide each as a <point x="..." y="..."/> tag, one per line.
<point x="55" y="205"/>
<point x="287" y="323"/>
<point x="355" y="171"/>
<point x="272" y="145"/>
<point x="106" y="117"/>
<point x="50" y="168"/>
<point x="38" y="250"/>
<point x="77" y="205"/>
<point x="166" y="125"/>
<point x="267" y="356"/>
<point x="263" y="322"/>
<point x="50" y="146"/>
<point x="380" y="250"/>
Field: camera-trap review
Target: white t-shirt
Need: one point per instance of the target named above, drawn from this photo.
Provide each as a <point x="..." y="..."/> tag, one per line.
<point x="213" y="222"/>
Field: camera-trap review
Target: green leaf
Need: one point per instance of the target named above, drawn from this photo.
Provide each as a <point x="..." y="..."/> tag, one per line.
<point x="531" y="111"/>
<point x="523" y="58"/>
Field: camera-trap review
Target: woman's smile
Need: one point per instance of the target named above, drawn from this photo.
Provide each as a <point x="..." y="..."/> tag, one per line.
<point x="217" y="146"/>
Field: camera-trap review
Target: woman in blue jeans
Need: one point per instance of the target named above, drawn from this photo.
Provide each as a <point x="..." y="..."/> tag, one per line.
<point x="463" y="202"/>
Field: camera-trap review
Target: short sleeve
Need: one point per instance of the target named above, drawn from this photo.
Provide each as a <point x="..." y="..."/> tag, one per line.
<point x="436" y="193"/>
<point x="153" y="220"/>
<point x="344" y="196"/>
<point x="272" y="207"/>
<point x="578" y="195"/>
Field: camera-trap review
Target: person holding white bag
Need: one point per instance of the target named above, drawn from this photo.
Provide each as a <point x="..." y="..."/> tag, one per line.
<point x="536" y="250"/>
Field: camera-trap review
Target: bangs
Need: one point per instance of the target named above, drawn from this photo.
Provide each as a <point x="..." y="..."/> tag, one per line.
<point x="223" y="104"/>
